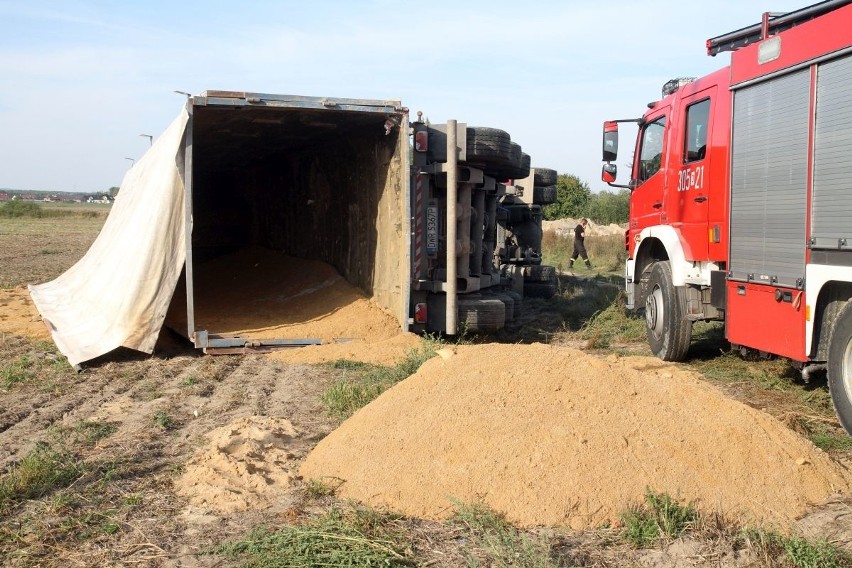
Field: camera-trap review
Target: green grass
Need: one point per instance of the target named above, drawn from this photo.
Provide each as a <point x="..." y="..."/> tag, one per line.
<point x="355" y="537"/>
<point x="613" y="324"/>
<point x="795" y="550"/>
<point x="773" y="382"/>
<point x="163" y="420"/>
<point x="502" y="544"/>
<point x="606" y="252"/>
<point x="363" y="382"/>
<point x="316" y="489"/>
<point x="658" y="517"/>
<point x="29" y="209"/>
<point x="43" y="470"/>
<point x="42" y="366"/>
<point x="83" y="433"/>
<point x="661" y="517"/>
<point x="17" y="371"/>
<point x="830" y="440"/>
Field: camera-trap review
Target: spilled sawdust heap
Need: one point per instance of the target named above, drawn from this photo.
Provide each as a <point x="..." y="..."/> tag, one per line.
<point x="552" y="436"/>
<point x="241" y="465"/>
<point x="19" y="316"/>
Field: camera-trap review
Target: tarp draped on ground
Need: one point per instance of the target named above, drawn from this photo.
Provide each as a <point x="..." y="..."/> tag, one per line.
<point x="119" y="292"/>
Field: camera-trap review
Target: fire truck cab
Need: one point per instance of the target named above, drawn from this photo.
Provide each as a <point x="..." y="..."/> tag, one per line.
<point x="741" y="198"/>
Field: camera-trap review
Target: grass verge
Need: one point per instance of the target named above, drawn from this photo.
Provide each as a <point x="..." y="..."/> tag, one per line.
<point x="612" y="324"/>
<point x="794" y="550"/>
<point x="363" y="382"/>
<point x="355" y="536"/>
<point x="661" y="518"/>
<point x="501" y="544"/>
<point x="41" y="471"/>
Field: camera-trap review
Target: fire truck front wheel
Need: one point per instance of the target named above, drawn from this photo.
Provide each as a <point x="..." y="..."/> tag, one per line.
<point x="669" y="332"/>
<point x="840" y="367"/>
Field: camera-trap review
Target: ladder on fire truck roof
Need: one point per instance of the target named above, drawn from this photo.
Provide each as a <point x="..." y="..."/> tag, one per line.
<point x="772" y="24"/>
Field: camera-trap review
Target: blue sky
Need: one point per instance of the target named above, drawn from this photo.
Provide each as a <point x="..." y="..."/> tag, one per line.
<point x="81" y="80"/>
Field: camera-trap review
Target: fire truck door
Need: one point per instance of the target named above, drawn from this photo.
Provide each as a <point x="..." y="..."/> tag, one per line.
<point x="646" y="202"/>
<point x="687" y="203"/>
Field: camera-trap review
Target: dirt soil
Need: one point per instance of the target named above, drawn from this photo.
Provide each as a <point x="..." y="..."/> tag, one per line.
<point x="573" y="443"/>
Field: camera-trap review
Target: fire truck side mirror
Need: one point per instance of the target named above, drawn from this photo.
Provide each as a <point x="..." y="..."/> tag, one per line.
<point x="609" y="173"/>
<point x="610" y="141"/>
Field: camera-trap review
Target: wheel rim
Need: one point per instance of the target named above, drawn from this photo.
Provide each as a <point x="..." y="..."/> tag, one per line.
<point x="654" y="312"/>
<point x="846" y="370"/>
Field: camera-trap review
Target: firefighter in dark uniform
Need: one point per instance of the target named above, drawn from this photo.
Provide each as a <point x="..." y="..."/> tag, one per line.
<point x="579" y="245"/>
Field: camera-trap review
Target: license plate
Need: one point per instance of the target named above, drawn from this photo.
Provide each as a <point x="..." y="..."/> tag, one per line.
<point x="432" y="230"/>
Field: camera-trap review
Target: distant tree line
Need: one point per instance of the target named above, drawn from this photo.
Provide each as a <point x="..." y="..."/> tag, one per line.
<point x="574" y="199"/>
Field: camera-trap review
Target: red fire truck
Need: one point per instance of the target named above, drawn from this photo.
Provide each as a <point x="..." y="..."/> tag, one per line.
<point x="741" y="198"/>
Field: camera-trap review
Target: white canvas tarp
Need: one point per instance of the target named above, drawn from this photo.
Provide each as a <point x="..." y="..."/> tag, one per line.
<point x="119" y="292"/>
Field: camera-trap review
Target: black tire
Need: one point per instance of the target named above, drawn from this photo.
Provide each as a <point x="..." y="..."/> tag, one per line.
<point x="502" y="170"/>
<point x="540" y="273"/>
<point x="518" y="305"/>
<point x="507" y="300"/>
<point x="544" y="195"/>
<point x="840" y="367"/>
<point x="490" y="146"/>
<point x="481" y="314"/>
<point x="544" y="290"/>
<point x="521" y="169"/>
<point x="545" y="176"/>
<point x="669" y="332"/>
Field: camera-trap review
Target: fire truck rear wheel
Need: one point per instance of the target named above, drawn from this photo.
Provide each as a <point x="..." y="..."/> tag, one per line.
<point x="840" y="367"/>
<point x="669" y="332"/>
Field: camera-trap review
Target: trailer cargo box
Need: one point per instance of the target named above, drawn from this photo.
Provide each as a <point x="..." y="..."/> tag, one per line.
<point x="320" y="180"/>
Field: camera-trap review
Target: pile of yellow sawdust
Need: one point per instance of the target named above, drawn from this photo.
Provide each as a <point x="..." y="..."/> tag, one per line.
<point x="242" y="465"/>
<point x="552" y="436"/>
<point x="382" y="352"/>
<point x="19" y="316"/>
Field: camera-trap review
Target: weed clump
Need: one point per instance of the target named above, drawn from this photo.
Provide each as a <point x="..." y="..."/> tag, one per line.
<point x="356" y="537"/>
<point x="659" y="517"/>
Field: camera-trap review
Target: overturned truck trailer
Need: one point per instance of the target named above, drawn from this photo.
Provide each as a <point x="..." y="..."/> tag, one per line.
<point x="249" y="218"/>
<point x="333" y="180"/>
